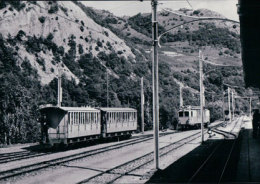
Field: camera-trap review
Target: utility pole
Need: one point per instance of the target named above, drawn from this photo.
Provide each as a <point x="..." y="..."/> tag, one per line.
<point x="107" y="91"/>
<point x="181" y="99"/>
<point x="201" y="97"/>
<point x="229" y="110"/>
<point x="223" y="105"/>
<point x="155" y="83"/>
<point x="250" y="107"/>
<point x="59" y="88"/>
<point x="233" y="103"/>
<point x="142" y="104"/>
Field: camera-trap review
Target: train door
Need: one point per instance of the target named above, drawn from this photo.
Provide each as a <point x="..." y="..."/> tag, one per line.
<point x="104" y="121"/>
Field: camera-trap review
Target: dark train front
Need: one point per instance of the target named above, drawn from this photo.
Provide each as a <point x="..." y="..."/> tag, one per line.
<point x="66" y="125"/>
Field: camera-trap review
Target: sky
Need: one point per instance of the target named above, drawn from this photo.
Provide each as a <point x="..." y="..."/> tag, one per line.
<point x="129" y="8"/>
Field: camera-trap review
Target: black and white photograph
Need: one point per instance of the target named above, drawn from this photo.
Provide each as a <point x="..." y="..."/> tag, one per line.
<point x="129" y="91"/>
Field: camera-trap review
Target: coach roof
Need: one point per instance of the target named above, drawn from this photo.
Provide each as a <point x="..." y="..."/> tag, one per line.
<point x="48" y="107"/>
<point x="118" y="109"/>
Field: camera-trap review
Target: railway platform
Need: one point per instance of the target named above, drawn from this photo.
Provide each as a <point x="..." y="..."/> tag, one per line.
<point x="214" y="162"/>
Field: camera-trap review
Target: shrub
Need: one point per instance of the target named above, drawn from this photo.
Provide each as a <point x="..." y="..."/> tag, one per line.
<point x="106" y="33"/>
<point x="196" y="12"/>
<point x="65" y="10"/>
<point x="82" y="23"/>
<point x="99" y="43"/>
<point x="54" y="8"/>
<point x="50" y="36"/>
<point x="81" y="28"/>
<point x="80" y="49"/>
<point x="42" y="19"/>
<point x="119" y="52"/>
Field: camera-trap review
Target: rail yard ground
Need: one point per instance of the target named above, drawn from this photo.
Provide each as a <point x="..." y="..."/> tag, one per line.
<point x="127" y="161"/>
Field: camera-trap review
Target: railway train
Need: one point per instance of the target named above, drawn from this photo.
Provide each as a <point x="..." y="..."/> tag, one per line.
<point x="190" y="117"/>
<point x="65" y="125"/>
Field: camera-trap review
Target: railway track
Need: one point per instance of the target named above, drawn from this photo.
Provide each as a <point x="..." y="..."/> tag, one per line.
<point x="61" y="160"/>
<point x="16" y="156"/>
<point x="227" y="134"/>
<point x="114" y="174"/>
<point x="117" y="172"/>
<point x="214" y="166"/>
<point x="10" y="173"/>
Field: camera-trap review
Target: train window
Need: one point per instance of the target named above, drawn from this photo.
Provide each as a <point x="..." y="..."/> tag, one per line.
<point x="113" y="117"/>
<point x="186" y="113"/>
<point x="74" y="117"/>
<point x="69" y="118"/>
<point x="191" y="114"/>
<point x="180" y="114"/>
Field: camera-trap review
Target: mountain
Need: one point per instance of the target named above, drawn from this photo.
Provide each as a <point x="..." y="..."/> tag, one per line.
<point x="93" y="49"/>
<point x="63" y="24"/>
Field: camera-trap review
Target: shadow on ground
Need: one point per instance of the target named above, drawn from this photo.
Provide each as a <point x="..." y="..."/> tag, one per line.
<point x="184" y="169"/>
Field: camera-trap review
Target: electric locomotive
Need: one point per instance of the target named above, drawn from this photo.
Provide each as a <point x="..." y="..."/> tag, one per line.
<point x="190" y="116"/>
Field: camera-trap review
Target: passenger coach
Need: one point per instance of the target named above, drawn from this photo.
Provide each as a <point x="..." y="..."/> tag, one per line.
<point x="75" y="124"/>
<point x="118" y="121"/>
<point x="69" y="124"/>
